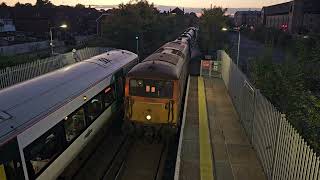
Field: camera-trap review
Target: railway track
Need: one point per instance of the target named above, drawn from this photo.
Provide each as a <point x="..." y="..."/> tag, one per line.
<point x="104" y="159"/>
<point x="143" y="161"/>
<point x="123" y="157"/>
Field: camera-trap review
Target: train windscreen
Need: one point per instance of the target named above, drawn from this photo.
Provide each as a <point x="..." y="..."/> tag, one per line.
<point x="151" y="88"/>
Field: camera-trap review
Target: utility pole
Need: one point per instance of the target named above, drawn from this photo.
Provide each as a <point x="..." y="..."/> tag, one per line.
<point x="238" y="55"/>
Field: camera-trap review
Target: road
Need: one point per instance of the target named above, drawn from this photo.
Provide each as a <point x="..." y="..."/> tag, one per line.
<point x="250" y="49"/>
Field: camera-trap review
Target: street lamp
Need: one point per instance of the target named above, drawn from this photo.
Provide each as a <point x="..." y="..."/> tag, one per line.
<point x="63" y="26"/>
<point x="98" y="21"/>
<point x="51" y="39"/>
<point x="239" y="40"/>
<point x="137" y="39"/>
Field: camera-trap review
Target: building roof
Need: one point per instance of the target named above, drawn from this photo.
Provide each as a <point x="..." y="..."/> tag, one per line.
<point x="283" y="8"/>
<point x="177" y="11"/>
<point x="247" y="13"/>
<point x="166" y="63"/>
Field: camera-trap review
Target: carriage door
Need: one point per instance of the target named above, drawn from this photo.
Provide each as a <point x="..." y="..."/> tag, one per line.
<point x="119" y="87"/>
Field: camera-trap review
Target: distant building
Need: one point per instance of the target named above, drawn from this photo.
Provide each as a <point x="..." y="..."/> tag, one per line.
<point x="311" y="16"/>
<point x="277" y="16"/>
<point x="6" y="25"/>
<point x="298" y="16"/>
<point x="249" y="18"/>
<point x="80" y="21"/>
<point x="7" y="30"/>
<point x="177" y="11"/>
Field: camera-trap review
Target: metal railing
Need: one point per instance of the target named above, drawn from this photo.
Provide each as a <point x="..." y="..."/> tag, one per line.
<point x="283" y="153"/>
<point x="15" y="74"/>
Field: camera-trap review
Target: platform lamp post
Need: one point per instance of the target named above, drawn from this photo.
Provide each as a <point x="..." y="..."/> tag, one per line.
<point x="64" y="26"/>
<point x="239" y="41"/>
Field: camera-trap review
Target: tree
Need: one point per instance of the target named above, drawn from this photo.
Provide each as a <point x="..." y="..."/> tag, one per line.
<point x="139" y="18"/>
<point x="3" y="4"/>
<point x="18" y="4"/>
<point x="43" y="3"/>
<point x="28" y="4"/>
<point x="211" y="23"/>
<point x="80" y="6"/>
<point x="286" y="87"/>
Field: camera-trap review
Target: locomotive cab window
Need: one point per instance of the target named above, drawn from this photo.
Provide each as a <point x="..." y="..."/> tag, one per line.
<point x="151" y="88"/>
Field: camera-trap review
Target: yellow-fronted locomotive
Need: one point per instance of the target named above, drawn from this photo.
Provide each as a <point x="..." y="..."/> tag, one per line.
<point x="155" y="87"/>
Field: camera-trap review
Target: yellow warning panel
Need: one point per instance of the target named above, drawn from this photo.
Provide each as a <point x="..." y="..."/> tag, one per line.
<point x="206" y="169"/>
<point x="2" y="172"/>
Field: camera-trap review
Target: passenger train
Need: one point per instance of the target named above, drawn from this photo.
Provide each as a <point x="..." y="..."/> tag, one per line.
<point x="155" y="87"/>
<point x="46" y="121"/>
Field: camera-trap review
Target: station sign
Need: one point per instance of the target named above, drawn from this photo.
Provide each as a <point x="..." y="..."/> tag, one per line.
<point x="210" y="68"/>
<point x="205" y="64"/>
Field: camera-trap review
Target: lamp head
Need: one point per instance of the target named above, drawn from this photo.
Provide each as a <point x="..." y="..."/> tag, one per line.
<point x="63" y="26"/>
<point x="224" y="29"/>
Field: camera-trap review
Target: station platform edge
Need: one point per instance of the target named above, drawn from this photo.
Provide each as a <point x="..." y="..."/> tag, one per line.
<point x="212" y="144"/>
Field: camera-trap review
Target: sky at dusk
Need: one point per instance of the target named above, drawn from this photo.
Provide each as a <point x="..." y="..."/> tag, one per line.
<point x="179" y="3"/>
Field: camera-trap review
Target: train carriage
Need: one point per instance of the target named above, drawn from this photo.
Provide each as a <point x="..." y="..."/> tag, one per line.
<point x="155" y="87"/>
<point x="46" y="121"/>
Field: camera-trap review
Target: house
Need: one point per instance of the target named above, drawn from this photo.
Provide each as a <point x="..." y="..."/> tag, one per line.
<point x="177" y="11"/>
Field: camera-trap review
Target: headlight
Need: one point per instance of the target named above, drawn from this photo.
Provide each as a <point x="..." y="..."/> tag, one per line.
<point x="148" y="117"/>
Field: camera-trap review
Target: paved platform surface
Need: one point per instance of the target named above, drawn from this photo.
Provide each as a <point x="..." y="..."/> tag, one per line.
<point x="231" y="155"/>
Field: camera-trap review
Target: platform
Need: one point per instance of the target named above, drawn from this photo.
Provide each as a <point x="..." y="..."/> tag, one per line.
<point x="213" y="144"/>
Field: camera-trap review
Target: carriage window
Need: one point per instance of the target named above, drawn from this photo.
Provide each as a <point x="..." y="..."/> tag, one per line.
<point x="10" y="162"/>
<point x="40" y="153"/>
<point x="74" y="124"/>
<point x="95" y="108"/>
<point x="151" y="88"/>
<point x="108" y="96"/>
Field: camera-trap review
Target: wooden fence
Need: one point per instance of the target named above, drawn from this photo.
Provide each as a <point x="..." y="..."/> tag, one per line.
<point x="283" y="153"/>
<point x="22" y="72"/>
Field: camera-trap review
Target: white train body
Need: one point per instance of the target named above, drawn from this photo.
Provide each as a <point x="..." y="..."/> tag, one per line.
<point x="51" y="118"/>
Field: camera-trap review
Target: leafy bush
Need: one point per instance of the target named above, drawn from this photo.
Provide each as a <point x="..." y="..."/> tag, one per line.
<point x="288" y="86"/>
<point x="212" y="37"/>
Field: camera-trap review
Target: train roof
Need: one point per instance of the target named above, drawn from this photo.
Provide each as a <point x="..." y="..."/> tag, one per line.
<point x="27" y="102"/>
<point x="152" y="69"/>
<point x="165" y="63"/>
